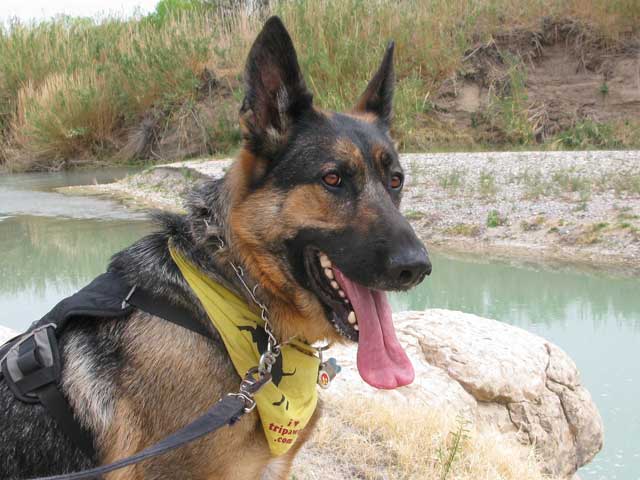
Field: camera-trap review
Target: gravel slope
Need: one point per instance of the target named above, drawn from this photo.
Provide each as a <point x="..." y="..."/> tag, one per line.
<point x="576" y="207"/>
<point x="580" y="207"/>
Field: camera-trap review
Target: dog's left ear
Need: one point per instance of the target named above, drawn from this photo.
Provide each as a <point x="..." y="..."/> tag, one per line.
<point x="275" y="91"/>
<point x="378" y="96"/>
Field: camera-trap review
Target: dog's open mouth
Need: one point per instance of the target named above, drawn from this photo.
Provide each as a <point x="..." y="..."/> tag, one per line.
<point x="362" y="315"/>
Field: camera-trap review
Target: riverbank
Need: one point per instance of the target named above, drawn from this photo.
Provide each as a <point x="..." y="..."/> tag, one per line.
<point x="556" y="208"/>
<point x="488" y="74"/>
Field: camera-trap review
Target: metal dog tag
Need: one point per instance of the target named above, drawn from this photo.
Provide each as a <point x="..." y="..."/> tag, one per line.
<point x="327" y="372"/>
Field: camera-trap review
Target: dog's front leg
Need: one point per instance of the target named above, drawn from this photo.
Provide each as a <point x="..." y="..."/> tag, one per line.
<point x="279" y="467"/>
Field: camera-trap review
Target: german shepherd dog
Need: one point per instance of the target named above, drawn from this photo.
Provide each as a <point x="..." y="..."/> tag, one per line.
<point x="310" y="211"/>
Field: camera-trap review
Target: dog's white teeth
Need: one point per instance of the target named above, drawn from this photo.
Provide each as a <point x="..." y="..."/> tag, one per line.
<point x="342" y="294"/>
<point x="352" y="318"/>
<point x="335" y="285"/>
<point x="329" y="273"/>
<point x="356" y="328"/>
<point x="324" y="261"/>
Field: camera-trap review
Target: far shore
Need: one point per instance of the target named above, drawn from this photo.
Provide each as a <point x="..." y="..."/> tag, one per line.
<point x="556" y="209"/>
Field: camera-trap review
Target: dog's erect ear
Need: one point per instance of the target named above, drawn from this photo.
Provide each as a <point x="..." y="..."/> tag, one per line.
<point x="275" y="92"/>
<point x="378" y="96"/>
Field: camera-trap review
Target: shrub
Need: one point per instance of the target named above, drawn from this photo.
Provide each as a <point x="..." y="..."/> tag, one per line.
<point x="494" y="219"/>
<point x="588" y="134"/>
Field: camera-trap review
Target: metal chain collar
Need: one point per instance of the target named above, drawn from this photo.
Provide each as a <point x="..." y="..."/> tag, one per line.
<point x="259" y="376"/>
<point x="268" y="358"/>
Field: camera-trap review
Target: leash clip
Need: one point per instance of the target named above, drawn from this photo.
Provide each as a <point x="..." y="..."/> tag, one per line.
<point x="251" y="385"/>
<point x="267" y="360"/>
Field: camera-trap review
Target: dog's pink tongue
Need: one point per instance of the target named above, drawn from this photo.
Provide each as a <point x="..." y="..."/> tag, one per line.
<point x="382" y="362"/>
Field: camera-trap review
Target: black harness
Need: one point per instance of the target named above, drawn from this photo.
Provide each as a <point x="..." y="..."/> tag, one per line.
<point x="30" y="363"/>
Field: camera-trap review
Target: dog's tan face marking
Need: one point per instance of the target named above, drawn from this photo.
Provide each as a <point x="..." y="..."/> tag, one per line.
<point x="363" y="116"/>
<point x="348" y="151"/>
<point x="351" y="155"/>
<point x="260" y="224"/>
<point x="382" y="159"/>
<point x="311" y="206"/>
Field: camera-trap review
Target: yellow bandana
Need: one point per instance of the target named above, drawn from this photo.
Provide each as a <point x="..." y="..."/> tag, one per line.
<point x="287" y="402"/>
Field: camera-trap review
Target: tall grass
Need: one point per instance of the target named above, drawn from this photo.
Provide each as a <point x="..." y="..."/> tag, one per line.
<point x="68" y="88"/>
<point x="73" y="90"/>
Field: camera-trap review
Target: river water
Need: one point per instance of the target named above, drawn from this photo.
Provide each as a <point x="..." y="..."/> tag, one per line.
<point x="52" y="244"/>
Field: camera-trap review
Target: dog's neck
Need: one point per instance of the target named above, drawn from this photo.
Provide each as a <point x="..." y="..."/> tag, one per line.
<point x="203" y="237"/>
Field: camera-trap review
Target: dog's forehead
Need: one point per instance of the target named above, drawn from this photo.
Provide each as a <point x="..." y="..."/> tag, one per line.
<point x="354" y="139"/>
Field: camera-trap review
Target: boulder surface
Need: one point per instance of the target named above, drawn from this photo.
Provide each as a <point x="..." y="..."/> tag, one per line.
<point x="6" y="334"/>
<point x="496" y="375"/>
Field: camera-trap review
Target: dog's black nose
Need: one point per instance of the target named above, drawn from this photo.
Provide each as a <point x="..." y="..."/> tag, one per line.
<point x="407" y="268"/>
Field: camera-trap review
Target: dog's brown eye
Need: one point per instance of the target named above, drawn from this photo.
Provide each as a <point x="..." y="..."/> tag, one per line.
<point x="396" y="181"/>
<point x="332" y="179"/>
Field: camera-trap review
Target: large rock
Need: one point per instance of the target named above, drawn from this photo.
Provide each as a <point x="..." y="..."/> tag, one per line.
<point x="6" y="334"/>
<point x="498" y="376"/>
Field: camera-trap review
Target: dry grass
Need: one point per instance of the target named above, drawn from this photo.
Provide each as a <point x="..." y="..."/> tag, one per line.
<point x="54" y="73"/>
<point x="72" y="89"/>
<point x="464" y="230"/>
<point x="67" y="112"/>
<point x="375" y="439"/>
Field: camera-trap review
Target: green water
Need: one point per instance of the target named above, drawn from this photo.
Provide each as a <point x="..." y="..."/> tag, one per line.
<point x="51" y="245"/>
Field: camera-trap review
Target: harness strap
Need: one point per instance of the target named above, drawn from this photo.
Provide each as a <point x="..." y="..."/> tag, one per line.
<point x="160" y="307"/>
<point x="58" y="407"/>
<point x="34" y="367"/>
<point x="225" y="412"/>
<point x="30" y="363"/>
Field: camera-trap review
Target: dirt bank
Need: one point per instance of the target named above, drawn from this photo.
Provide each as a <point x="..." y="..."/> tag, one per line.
<point x="561" y="84"/>
<point x="548" y="75"/>
<point x="580" y="208"/>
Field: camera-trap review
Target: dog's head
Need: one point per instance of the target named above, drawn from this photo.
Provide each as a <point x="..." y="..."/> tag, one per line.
<point x="314" y="210"/>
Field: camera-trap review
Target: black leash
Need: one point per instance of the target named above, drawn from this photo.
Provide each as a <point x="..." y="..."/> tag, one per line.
<point x="227" y="411"/>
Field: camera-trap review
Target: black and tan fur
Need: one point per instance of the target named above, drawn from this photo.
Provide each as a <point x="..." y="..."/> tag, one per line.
<point x="132" y="381"/>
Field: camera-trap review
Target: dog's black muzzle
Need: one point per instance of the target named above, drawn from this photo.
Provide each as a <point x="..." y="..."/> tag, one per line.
<point x="407" y="268"/>
<point x="407" y="261"/>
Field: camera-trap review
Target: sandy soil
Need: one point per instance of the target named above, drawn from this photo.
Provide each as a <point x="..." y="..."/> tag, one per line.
<point x="568" y="76"/>
<point x="579" y="208"/>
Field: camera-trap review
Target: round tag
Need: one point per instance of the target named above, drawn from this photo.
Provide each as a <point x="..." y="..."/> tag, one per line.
<point x="323" y="379"/>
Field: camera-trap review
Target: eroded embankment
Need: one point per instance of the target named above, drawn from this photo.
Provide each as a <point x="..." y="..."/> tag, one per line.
<point x="492" y="74"/>
<point x="561" y="84"/>
<point x="559" y="207"/>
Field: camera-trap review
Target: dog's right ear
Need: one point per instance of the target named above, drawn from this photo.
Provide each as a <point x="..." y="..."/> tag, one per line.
<point x="378" y="96"/>
<point x="275" y="91"/>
